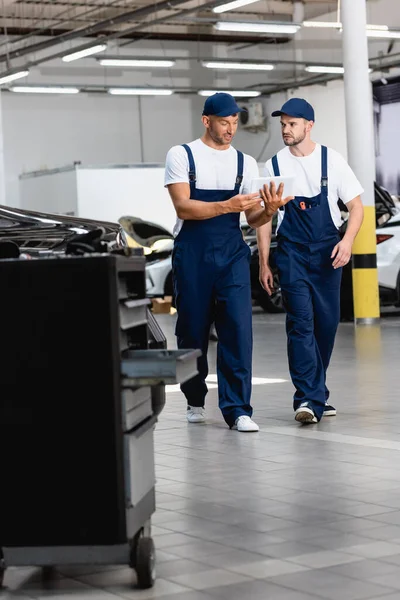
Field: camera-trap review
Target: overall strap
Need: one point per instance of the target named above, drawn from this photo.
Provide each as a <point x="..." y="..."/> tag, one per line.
<point x="192" y="168"/>
<point x="275" y="166"/>
<point x="324" y="171"/>
<point x="239" y="176"/>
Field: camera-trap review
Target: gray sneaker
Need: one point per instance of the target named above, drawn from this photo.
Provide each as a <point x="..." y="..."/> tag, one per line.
<point x="305" y="414"/>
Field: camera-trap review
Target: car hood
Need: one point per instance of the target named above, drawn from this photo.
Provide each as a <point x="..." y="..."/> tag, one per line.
<point x="35" y="231"/>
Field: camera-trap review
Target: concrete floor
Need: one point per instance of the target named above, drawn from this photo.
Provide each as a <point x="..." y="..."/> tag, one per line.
<point x="290" y="513"/>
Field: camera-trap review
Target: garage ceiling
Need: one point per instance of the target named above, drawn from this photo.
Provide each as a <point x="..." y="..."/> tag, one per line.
<point x="160" y="20"/>
<point x="38" y="33"/>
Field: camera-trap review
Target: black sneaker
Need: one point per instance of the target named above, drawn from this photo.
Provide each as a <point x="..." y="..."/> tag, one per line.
<point x="305" y="414"/>
<point x="329" y="410"/>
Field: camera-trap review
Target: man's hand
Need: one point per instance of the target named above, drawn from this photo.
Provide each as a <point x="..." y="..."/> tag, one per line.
<point x="341" y="253"/>
<point x="273" y="198"/>
<point x="267" y="279"/>
<point x="243" y="202"/>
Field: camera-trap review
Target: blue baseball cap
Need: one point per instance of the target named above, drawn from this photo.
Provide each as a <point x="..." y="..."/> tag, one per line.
<point x="221" y="105"/>
<point x="296" y="107"/>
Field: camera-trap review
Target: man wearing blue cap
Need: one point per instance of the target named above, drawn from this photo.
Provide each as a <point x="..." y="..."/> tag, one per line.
<point x="209" y="183"/>
<point x="310" y="254"/>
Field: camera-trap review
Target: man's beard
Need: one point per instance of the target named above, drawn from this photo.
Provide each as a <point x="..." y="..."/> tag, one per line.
<point x="217" y="138"/>
<point x="294" y="141"/>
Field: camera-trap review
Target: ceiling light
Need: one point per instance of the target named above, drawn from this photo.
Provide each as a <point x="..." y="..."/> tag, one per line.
<point x="338" y="25"/>
<point x="378" y="27"/>
<point x="13" y="76"/>
<point x="232" y="5"/>
<point x="84" y="53"/>
<point x="322" y="24"/>
<point x="129" y="62"/>
<point x="327" y="69"/>
<point x="379" y="33"/>
<point x="243" y="66"/>
<point x="324" y="69"/>
<point x="30" y="89"/>
<point x="236" y="94"/>
<point x="139" y="92"/>
<point x="256" y="27"/>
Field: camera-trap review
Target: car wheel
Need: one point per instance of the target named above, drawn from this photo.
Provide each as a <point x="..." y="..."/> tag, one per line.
<point x="273" y="303"/>
<point x="397" y="304"/>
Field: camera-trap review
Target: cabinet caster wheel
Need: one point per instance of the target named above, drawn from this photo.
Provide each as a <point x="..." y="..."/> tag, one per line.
<point x="2" y="572"/>
<point x="145" y="563"/>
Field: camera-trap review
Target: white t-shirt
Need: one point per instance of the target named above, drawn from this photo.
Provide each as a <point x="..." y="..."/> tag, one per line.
<point x="342" y="183"/>
<point x="215" y="169"/>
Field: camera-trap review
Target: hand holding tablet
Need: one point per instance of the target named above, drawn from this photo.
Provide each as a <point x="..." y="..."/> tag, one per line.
<point x="288" y="184"/>
<point x="274" y="192"/>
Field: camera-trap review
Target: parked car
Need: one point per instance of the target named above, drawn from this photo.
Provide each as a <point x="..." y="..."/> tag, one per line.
<point x="37" y="233"/>
<point x="157" y="243"/>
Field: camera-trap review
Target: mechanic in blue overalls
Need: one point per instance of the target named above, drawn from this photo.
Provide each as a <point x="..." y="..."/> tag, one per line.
<point x="310" y="254"/>
<point x="209" y="183"/>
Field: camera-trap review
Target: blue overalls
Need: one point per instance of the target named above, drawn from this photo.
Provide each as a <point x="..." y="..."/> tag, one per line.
<point x="211" y="273"/>
<point x="310" y="290"/>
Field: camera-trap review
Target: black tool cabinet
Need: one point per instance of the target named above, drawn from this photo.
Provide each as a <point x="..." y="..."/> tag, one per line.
<point x="82" y="376"/>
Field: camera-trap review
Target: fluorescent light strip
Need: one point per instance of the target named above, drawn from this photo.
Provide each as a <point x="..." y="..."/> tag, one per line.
<point x="242" y="66"/>
<point x="383" y="34"/>
<point x="338" y="25"/>
<point x="128" y="62"/>
<point x="327" y="69"/>
<point x="322" y="69"/>
<point x="139" y="92"/>
<point x="84" y="53"/>
<point x="232" y="5"/>
<point x="236" y="94"/>
<point x="322" y="24"/>
<point x="256" y="27"/>
<point x="378" y="27"/>
<point x="44" y="90"/>
<point x="13" y="76"/>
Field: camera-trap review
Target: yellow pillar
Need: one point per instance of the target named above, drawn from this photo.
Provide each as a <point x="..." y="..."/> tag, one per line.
<point x="365" y="272"/>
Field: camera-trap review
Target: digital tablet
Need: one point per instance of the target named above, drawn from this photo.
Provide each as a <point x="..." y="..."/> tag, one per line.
<point x="288" y="184"/>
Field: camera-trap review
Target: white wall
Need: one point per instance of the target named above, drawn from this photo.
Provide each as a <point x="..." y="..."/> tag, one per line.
<point x="109" y="194"/>
<point x="53" y="192"/>
<point x="49" y="132"/>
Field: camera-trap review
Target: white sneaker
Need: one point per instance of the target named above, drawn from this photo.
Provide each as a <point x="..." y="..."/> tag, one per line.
<point x="244" y="423"/>
<point x="305" y="414"/>
<point x="196" y="414"/>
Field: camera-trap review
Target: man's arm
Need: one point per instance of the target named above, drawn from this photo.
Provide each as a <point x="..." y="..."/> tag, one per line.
<point x="342" y="251"/>
<point x="264" y="234"/>
<point x="257" y="217"/>
<point x="197" y="210"/>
